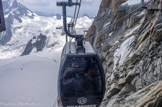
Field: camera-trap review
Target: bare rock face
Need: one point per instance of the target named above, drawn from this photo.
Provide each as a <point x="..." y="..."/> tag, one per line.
<point x="153" y="98"/>
<point x="91" y="32"/>
<point x="38" y="43"/>
<point x="113" y="90"/>
<point x="122" y="82"/>
<point x="131" y="53"/>
<point x="103" y="5"/>
<point x="157" y="33"/>
<point x="142" y="38"/>
<point x="126" y="90"/>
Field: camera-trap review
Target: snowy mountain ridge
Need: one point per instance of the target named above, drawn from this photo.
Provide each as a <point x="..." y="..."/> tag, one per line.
<point x="23" y="25"/>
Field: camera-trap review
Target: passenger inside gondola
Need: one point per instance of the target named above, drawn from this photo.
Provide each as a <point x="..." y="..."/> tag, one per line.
<point x="81" y="76"/>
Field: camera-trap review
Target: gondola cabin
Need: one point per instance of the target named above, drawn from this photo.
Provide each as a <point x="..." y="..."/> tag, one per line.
<point x="81" y="77"/>
<point x="2" y="21"/>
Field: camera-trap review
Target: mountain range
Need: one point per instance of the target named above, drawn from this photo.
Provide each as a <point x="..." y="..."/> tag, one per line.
<point x="24" y="28"/>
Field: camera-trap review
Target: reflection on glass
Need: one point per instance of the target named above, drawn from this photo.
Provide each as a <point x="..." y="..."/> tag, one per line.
<point x="81" y="77"/>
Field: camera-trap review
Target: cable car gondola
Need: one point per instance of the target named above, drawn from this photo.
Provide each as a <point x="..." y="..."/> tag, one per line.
<point x="2" y="21"/>
<point x="81" y="80"/>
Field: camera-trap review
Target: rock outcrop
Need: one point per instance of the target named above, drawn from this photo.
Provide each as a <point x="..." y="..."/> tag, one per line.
<point x="153" y="98"/>
<point x="38" y="43"/>
<point x="128" y="40"/>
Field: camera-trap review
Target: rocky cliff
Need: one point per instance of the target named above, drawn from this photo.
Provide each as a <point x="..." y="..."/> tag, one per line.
<point x="128" y="39"/>
<point x="36" y="42"/>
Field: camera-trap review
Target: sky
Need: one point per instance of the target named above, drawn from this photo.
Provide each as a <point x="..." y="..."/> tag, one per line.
<point x="48" y="7"/>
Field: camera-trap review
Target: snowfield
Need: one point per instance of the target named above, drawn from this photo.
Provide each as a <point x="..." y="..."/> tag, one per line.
<point x="122" y="53"/>
<point x="28" y="81"/>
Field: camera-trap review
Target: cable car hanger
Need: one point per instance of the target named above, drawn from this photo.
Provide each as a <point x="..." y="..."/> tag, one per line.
<point x="79" y="38"/>
<point x="81" y="79"/>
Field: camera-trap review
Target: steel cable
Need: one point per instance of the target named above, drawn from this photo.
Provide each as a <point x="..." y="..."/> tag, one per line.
<point x="120" y="19"/>
<point x="105" y="39"/>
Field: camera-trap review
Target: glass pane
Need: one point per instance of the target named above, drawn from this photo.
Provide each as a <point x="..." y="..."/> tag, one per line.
<point x="81" y="77"/>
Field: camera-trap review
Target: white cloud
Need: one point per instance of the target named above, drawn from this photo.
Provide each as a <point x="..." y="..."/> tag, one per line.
<point x="49" y="6"/>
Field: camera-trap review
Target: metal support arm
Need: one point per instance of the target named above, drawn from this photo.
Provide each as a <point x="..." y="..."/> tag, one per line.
<point x="64" y="5"/>
<point x="79" y="38"/>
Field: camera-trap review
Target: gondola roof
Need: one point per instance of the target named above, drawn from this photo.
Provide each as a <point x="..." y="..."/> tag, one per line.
<point x="70" y="48"/>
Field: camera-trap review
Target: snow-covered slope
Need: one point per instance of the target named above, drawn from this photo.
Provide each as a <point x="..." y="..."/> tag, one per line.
<point x="28" y="81"/>
<point x="132" y="2"/>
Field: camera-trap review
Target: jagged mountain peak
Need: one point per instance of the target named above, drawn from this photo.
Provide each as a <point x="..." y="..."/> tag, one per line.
<point x="8" y="5"/>
<point x="58" y="16"/>
<point x="15" y="8"/>
<point x="86" y="15"/>
<point x="9" y="2"/>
